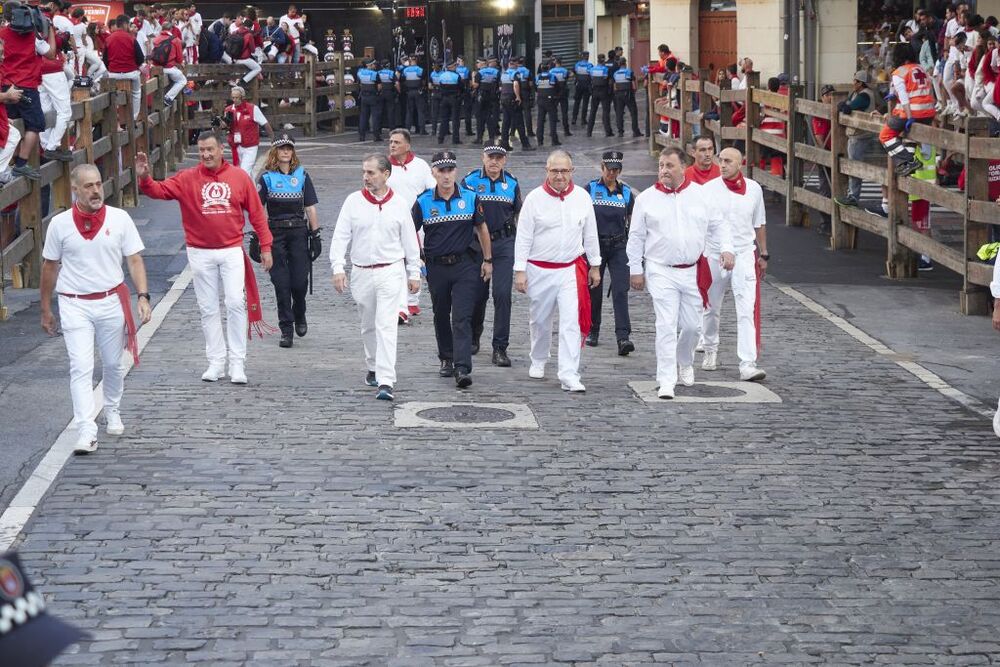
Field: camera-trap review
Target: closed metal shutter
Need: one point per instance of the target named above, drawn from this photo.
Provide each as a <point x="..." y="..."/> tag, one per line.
<point x="565" y="38"/>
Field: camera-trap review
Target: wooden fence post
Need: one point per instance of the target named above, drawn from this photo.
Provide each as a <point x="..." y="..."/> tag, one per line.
<point x="125" y="150"/>
<point x="725" y="113"/>
<point x="178" y="127"/>
<point x="795" y="214"/>
<point x="652" y="92"/>
<point x="841" y="235"/>
<point x="110" y="166"/>
<point x="751" y="123"/>
<point x="685" y="106"/>
<point x="85" y="126"/>
<point x="900" y="262"/>
<point x="29" y="211"/>
<point x="974" y="299"/>
<point x="340" y="124"/>
<point x="310" y="99"/>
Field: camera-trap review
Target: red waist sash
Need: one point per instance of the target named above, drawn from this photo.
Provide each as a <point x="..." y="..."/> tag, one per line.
<point x="704" y="277"/>
<point x="582" y="289"/>
<point x="125" y="300"/>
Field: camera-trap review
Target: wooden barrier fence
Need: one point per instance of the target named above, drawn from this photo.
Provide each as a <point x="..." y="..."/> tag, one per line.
<point x="962" y="229"/>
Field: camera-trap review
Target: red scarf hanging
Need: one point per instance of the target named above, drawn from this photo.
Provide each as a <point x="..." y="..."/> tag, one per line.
<point x="255" y="318"/>
<point x="737" y="185"/>
<point x="406" y="160"/>
<point x="582" y="289"/>
<point x="562" y="195"/>
<point x="704" y="279"/>
<point x="88" y="224"/>
<point x="756" y="303"/>
<point x="375" y="200"/>
<point x="672" y="191"/>
<point x="131" y="338"/>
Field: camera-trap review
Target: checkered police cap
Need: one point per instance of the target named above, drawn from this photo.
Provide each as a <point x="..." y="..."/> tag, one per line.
<point x="444" y="160"/>
<point x="612" y="159"/>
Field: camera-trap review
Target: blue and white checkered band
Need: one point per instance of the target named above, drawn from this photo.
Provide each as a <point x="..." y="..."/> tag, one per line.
<point x="495" y="150"/>
<point x="445" y="163"/>
<point x="613" y="164"/>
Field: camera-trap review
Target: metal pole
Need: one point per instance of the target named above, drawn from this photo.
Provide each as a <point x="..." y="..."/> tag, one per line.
<point x="786" y="18"/>
<point x="794" y="39"/>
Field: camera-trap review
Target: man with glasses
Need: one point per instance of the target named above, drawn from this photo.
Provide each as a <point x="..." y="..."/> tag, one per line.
<point x="556" y="238"/>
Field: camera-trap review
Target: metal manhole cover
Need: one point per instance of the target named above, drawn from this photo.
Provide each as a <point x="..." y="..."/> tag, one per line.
<point x="708" y="391"/>
<point x="466" y="414"/>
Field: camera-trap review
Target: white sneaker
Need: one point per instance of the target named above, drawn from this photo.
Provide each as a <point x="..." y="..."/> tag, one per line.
<point x="700" y="347"/>
<point x="573" y="385"/>
<point x="665" y="392"/>
<point x="710" y="362"/>
<point x="996" y="421"/>
<point x="237" y="374"/>
<point x="85" y="444"/>
<point x="751" y="373"/>
<point x="114" y="419"/>
<point x="686" y="375"/>
<point x="536" y="372"/>
<point x="214" y="373"/>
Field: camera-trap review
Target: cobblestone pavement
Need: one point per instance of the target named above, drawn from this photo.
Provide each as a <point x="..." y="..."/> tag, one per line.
<point x="289" y="522"/>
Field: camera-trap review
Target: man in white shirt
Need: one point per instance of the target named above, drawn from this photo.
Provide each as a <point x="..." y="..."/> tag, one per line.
<point x="195" y="23"/>
<point x="410" y="176"/>
<point x="293" y="25"/>
<point x="671" y="225"/>
<point x="741" y="201"/>
<point x="377" y="225"/>
<point x="556" y="228"/>
<point x="83" y="253"/>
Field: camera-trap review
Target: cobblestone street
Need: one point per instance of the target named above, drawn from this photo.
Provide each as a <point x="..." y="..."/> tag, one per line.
<point x="292" y="522"/>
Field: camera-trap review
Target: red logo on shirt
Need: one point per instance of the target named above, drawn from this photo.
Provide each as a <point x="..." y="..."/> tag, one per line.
<point x="215" y="194"/>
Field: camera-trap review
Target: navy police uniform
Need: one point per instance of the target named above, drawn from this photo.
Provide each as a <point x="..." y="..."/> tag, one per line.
<point x="623" y="78"/>
<point x="435" y="80"/>
<point x="487" y="80"/>
<point x="387" y="96"/>
<point x="369" y="106"/>
<point x="527" y="94"/>
<point x="581" y="88"/>
<point x="413" y="83"/>
<point x="560" y="80"/>
<point x="600" y="96"/>
<point x="545" y="84"/>
<point x="453" y="272"/>
<point x="513" y="118"/>
<point x="465" y="95"/>
<point x="450" y="85"/>
<point x="613" y="210"/>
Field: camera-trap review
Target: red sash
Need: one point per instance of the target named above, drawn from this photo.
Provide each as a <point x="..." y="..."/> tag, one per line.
<point x="255" y="318"/>
<point x="703" y="277"/>
<point x="582" y="289"/>
<point x="131" y="340"/>
<point x="756" y="303"/>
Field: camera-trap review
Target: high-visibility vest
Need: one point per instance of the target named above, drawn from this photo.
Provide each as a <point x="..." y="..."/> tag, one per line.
<point x="928" y="167"/>
<point x="918" y="88"/>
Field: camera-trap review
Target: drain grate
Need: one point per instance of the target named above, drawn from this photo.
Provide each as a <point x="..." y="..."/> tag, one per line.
<point x="708" y="392"/>
<point x="463" y="415"/>
<point x="466" y="414"/>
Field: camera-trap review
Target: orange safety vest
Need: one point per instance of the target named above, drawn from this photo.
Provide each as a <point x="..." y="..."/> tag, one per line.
<point x="918" y="88"/>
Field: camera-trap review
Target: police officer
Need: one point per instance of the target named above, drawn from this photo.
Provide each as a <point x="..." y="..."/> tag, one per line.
<point x="450" y="84"/>
<point x="413" y="85"/>
<point x="560" y="78"/>
<point x="288" y="194"/>
<point x="624" y="86"/>
<point x="465" y="95"/>
<point x="433" y="83"/>
<point x="613" y="201"/>
<point x="545" y="84"/>
<point x="600" y="96"/>
<point x="511" y="103"/>
<point x="388" y="84"/>
<point x="369" y="105"/>
<point x="581" y="88"/>
<point x="450" y="218"/>
<point x="486" y="82"/>
<point x="500" y="202"/>
<point x="527" y="95"/>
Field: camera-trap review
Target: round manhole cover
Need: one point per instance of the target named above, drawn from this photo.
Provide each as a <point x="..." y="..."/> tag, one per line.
<point x="466" y="414"/>
<point x="708" y="391"/>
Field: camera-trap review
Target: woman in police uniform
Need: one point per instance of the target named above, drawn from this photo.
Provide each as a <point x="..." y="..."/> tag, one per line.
<point x="290" y="198"/>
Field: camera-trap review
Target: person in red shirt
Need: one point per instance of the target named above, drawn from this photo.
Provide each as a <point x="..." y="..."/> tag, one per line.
<point x="705" y="168"/>
<point x="174" y="57"/>
<point x="246" y="55"/>
<point x="244" y="119"/>
<point x="55" y="96"/>
<point x="214" y="197"/>
<point x="123" y="57"/>
<point x="9" y="135"/>
<point x="821" y="135"/>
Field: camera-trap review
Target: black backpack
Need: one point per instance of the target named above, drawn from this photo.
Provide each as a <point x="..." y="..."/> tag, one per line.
<point x="209" y="47"/>
<point x="234" y="46"/>
<point x="22" y="19"/>
<point x="160" y="55"/>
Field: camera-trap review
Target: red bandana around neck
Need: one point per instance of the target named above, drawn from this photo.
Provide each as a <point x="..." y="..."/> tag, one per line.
<point x="375" y="200"/>
<point x="672" y="191"/>
<point x="737" y="185"/>
<point x="562" y="195"/>
<point x="406" y="160"/>
<point x="88" y="224"/>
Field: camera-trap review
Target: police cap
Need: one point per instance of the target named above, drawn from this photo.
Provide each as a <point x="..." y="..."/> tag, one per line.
<point x="444" y="160"/>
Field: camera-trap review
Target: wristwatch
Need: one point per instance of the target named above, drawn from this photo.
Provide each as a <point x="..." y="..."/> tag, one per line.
<point x="143" y="295"/>
<point x="488" y="260"/>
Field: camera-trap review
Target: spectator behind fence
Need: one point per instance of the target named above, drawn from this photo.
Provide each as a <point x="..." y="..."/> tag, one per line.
<point x="240" y="46"/>
<point x="292" y="25"/>
<point x="168" y="53"/>
<point x="55" y="97"/>
<point x="123" y="57"/>
<point x="96" y="69"/>
<point x="864" y="101"/>
<point x="276" y="43"/>
<point x="9" y="135"/>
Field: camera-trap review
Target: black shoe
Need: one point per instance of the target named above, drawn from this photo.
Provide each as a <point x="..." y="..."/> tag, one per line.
<point x="907" y="168"/>
<point x="479" y="140"/>
<point x="60" y="154"/>
<point x="624" y="347"/>
<point x="567" y="132"/>
<point x="475" y="345"/>
<point x="529" y="147"/>
<point x="462" y="380"/>
<point x="636" y="135"/>
<point x="440" y="142"/>
<point x="27" y="171"/>
<point x="286" y="340"/>
<point x="301" y="328"/>
<point x="591" y="339"/>
<point x="377" y="140"/>
<point x="370" y="379"/>
<point x="609" y="134"/>
<point x="447" y="368"/>
<point x="456" y="142"/>
<point x="556" y="142"/>
<point x="590" y="134"/>
<point x="541" y="142"/>
<point x="384" y="393"/>
<point x="500" y="358"/>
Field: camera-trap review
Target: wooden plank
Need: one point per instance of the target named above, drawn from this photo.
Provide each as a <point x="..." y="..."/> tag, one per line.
<point x="984" y="148"/>
<point x="100" y="103"/>
<point x="764" y="139"/>
<point x="692" y="86"/>
<point x="935" y="194"/>
<point x="814" y="109"/>
<point x="739" y="96"/>
<point x="774" y="100"/>
<point x="711" y="89"/>
<point x="864" y="220"/>
<point x="13" y="191"/>
<point x="770" y="181"/>
<point x="947" y="139"/>
<point x="18" y="249"/>
<point x="662" y="139"/>
<point x="668" y="111"/>
<point x="813" y="154"/>
<point x="694" y="117"/>
<point x="734" y="133"/>
<point x="813" y="200"/>
<point x="863" y="170"/>
<point x="979" y="273"/>
<point x="984" y="211"/>
<point x="860" y="121"/>
<point x="925" y="245"/>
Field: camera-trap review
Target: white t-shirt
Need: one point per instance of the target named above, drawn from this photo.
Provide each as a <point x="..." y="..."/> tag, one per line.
<point x="744" y="213"/>
<point x="291" y="26"/>
<point x="94" y="265"/>
<point x="410" y="182"/>
<point x="951" y="28"/>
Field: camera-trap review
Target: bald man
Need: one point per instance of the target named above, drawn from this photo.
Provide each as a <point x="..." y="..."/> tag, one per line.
<point x="741" y="202"/>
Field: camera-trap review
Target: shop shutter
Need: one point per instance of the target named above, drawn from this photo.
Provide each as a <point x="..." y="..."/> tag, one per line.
<point x="565" y="38"/>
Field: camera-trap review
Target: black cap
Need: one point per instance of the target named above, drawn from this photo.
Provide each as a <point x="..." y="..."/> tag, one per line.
<point x="29" y="637"/>
<point x="584" y="54"/>
<point x="450" y="64"/>
<point x="370" y="61"/>
<point x="282" y="140"/>
<point x="480" y="59"/>
<point x="444" y="160"/>
<point x="612" y="159"/>
<point x="494" y="147"/>
<point x="386" y="63"/>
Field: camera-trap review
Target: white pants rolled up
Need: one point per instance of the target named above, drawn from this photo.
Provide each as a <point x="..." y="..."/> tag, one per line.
<point x="209" y="269"/>
<point x="676" y="303"/>
<point x="742" y="281"/>
<point x="136" y="79"/>
<point x="552" y="291"/>
<point x="178" y="80"/>
<point x="55" y="94"/>
<point x="96" y="68"/>
<point x="7" y="152"/>
<point x="82" y="322"/>
<point x="377" y="293"/>
<point x="253" y="69"/>
<point x="248" y="158"/>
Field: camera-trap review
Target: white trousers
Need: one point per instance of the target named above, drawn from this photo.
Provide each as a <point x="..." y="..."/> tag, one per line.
<point x="248" y="158"/>
<point x="551" y="290"/>
<point x="253" y="69"/>
<point x="209" y="267"/>
<point x="676" y="302"/>
<point x="412" y="299"/>
<point x="136" y="80"/>
<point x="742" y="280"/>
<point x="377" y="293"/>
<point x="988" y="105"/>
<point x="178" y="80"/>
<point x="96" y="68"/>
<point x="81" y="322"/>
<point x="55" y="94"/>
<point x="7" y="152"/>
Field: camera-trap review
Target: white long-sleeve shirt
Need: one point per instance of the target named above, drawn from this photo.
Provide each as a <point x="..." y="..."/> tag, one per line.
<point x="556" y="228"/>
<point x="744" y="213"/>
<point x="673" y="229"/>
<point x="375" y="234"/>
<point x="411" y="179"/>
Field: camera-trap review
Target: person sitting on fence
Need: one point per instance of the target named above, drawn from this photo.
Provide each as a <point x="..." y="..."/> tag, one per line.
<point x="240" y="46"/>
<point x="168" y="53"/>
<point x="822" y="135"/>
<point x="123" y="57"/>
<point x="55" y="97"/>
<point x="220" y="28"/>
<point x="914" y="104"/>
<point x="243" y="119"/>
<point x="275" y="41"/>
<point x="9" y="135"/>
<point x="96" y="69"/>
<point x="863" y="100"/>
<point x="292" y="24"/>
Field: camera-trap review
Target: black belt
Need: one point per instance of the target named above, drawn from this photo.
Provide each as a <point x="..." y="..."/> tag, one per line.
<point x="504" y="232"/>
<point x="609" y="240"/>
<point x="449" y="260"/>
<point x="290" y="223"/>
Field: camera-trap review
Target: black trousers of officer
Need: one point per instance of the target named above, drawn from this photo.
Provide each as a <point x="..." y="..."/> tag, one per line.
<point x="486" y="117"/>
<point x="290" y="274"/>
<point x="624" y="99"/>
<point x="513" y="121"/>
<point x="547" y="109"/>
<point x="435" y="110"/>
<point x="449" y="111"/>
<point x="468" y="102"/>
<point x="454" y="289"/>
<point x="581" y="98"/>
<point x="616" y="261"/>
<point x="503" y="283"/>
<point x="527" y="104"/>
<point x="387" y="113"/>
<point x="415" y="110"/>
<point x="370" y="107"/>
<point x="563" y="101"/>
<point x="602" y="100"/>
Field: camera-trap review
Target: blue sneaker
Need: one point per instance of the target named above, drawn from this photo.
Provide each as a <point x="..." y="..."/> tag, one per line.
<point x="370" y="379"/>
<point x="384" y="393"/>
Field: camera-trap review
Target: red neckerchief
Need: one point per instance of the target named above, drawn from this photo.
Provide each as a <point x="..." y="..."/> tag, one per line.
<point x="562" y="195"/>
<point x="672" y="191"/>
<point x="88" y="224"/>
<point x="406" y="160"/>
<point x="737" y="185"/>
<point x="374" y="200"/>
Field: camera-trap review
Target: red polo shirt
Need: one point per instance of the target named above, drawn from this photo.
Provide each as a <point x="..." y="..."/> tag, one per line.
<point x="21" y="65"/>
<point x="119" y="52"/>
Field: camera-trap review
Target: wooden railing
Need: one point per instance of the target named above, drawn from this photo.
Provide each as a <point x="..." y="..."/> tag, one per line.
<point x="969" y="213"/>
